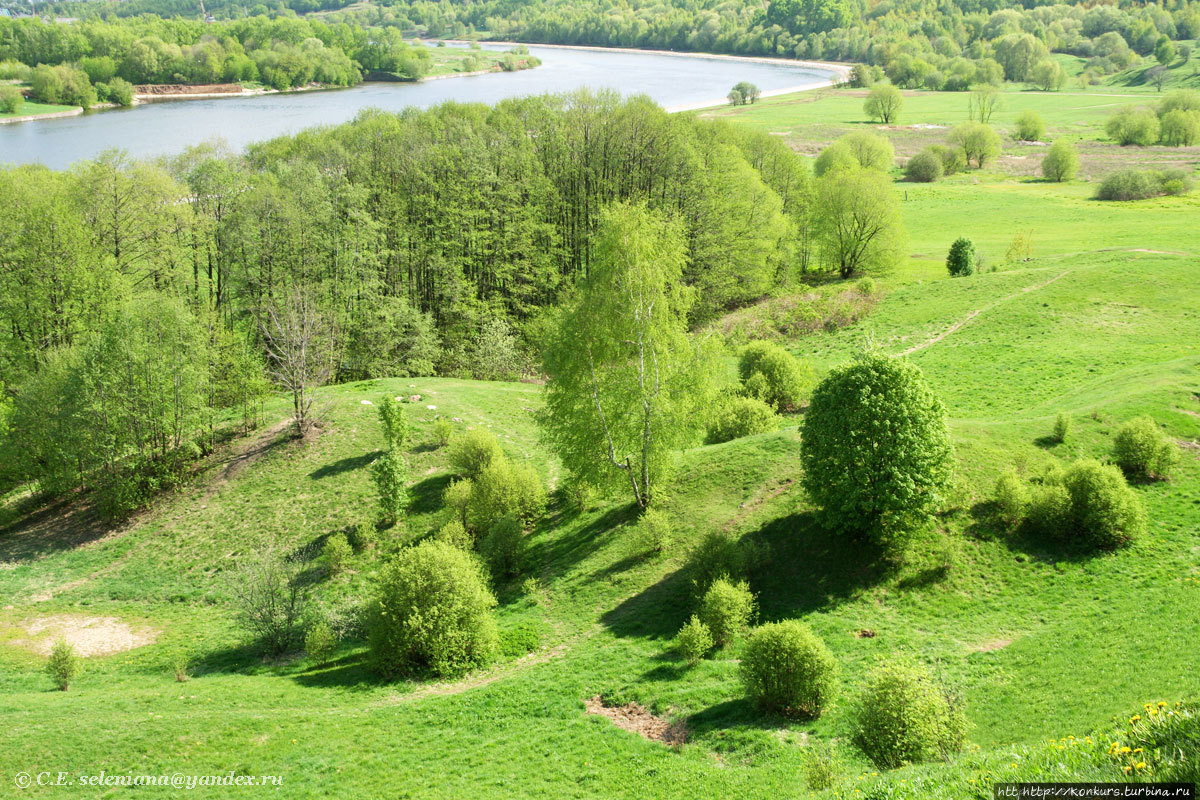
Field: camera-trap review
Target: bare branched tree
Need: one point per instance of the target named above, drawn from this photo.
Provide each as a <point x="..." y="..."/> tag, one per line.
<point x="299" y="340"/>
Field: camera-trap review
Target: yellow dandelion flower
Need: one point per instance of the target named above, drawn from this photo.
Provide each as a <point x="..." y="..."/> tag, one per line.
<point x="1140" y="765"/>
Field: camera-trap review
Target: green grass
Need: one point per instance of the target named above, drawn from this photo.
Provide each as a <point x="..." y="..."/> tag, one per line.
<point x="32" y="107"/>
<point x="1040" y="642"/>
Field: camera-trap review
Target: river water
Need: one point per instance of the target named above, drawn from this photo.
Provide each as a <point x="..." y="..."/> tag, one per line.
<point x="167" y="127"/>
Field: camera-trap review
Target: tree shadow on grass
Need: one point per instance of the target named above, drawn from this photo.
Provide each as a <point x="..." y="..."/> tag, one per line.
<point x="349" y="672"/>
<point x="811" y="567"/>
<point x="732" y="715"/>
<point x="41" y="530"/>
<point x="345" y="465"/>
<point x="1023" y="541"/>
<point x="426" y="497"/>
<point x="555" y="555"/>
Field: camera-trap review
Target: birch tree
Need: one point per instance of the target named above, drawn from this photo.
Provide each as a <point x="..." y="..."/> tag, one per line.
<point x="625" y="383"/>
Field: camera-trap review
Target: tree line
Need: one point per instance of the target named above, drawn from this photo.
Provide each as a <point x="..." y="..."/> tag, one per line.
<point x="425" y="242"/>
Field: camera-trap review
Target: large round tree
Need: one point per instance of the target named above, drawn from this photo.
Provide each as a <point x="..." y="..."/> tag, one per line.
<point x="876" y="450"/>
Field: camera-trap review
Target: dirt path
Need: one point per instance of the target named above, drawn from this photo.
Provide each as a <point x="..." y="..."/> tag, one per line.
<point x="247" y="454"/>
<point x="978" y="311"/>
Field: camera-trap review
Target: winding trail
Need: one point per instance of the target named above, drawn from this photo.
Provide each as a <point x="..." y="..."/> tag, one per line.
<point x="930" y="342"/>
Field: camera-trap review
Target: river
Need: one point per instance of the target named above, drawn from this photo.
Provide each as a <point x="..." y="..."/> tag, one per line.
<point x="167" y="127"/>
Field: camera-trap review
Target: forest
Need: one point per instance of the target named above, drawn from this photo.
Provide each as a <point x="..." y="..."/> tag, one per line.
<point x="948" y="45"/>
<point x="421" y="243"/>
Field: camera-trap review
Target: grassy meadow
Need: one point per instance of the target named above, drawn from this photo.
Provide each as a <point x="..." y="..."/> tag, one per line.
<point x="1101" y="322"/>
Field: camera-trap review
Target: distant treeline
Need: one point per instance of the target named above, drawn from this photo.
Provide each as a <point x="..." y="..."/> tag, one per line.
<point x="134" y="296"/>
<point x="942" y="44"/>
<point x="283" y="52"/>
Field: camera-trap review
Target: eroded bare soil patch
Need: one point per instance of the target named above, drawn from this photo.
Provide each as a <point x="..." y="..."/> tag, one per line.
<point x="636" y="718"/>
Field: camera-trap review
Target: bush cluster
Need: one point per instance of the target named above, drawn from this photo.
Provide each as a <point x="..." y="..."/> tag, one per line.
<point x="503" y="548"/>
<point x="1132" y="184"/>
<point x="1061" y="162"/>
<point x="773" y="375"/>
<point x="1030" y="127"/>
<point x="472" y="451"/>
<point x="925" y="167"/>
<point x="504" y="488"/>
<point x="741" y="416"/>
<point x="1175" y="122"/>
<point x="1088" y="503"/>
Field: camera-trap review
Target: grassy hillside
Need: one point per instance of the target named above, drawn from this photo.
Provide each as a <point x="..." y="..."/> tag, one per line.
<point x="1041" y="643"/>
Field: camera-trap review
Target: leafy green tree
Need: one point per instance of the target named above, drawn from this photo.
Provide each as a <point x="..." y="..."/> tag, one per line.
<point x="1048" y="75"/>
<point x="1180" y="128"/>
<point x="984" y="101"/>
<point x="1061" y="162"/>
<point x="390" y="473"/>
<point x="980" y="142"/>
<point x="883" y="103"/>
<point x="624" y="384"/>
<point x="876" y="448"/>
<point x="809" y="16"/>
<point x="859" y="229"/>
<point x="1133" y="125"/>
<point x="394" y="423"/>
<point x="1019" y="53"/>
<point x="1030" y="127"/>
<point x="961" y="260"/>
<point x="1165" y="52"/>
<point x="746" y="92"/>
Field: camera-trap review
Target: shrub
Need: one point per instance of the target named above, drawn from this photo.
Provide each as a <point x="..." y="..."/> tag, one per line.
<point x="390" y="474"/>
<point x="876" y="448"/>
<point x="783" y="380"/>
<point x="432" y="611"/>
<point x="654" y="531"/>
<point x="579" y="494"/>
<point x="961" y="259"/>
<point x="1142" y="450"/>
<point x="443" y="430"/>
<point x="364" y="536"/>
<point x="504" y="488"/>
<point x="471" y="452"/>
<point x="63" y="664"/>
<point x="717" y="555"/>
<point x="979" y="142"/>
<point x="11" y="100"/>
<point x="1132" y="125"/>
<point x="1062" y="427"/>
<point x="504" y="547"/>
<point x="1030" y="127"/>
<point x="726" y="610"/>
<point x="925" y="167"/>
<point x="904" y="717"/>
<point x="319" y="642"/>
<point x="883" y="103"/>
<point x="454" y="533"/>
<point x="269" y="600"/>
<point x="954" y="158"/>
<point x="1048" y="75"/>
<point x="786" y="669"/>
<point x="1180" y="128"/>
<point x="393" y="422"/>
<point x="1061" y="162"/>
<point x="694" y="641"/>
<point x="742" y="416"/>
<point x="865" y="286"/>
<point x="120" y="91"/>
<point x="457" y="498"/>
<point x="336" y="553"/>
<point x="1011" y="498"/>
<point x="179" y="666"/>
